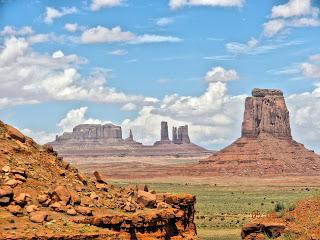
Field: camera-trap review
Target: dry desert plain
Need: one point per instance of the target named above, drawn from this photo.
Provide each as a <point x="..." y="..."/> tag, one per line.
<point x="224" y="204"/>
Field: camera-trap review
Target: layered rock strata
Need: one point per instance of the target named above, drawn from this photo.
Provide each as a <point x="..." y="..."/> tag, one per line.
<point x="266" y="146"/>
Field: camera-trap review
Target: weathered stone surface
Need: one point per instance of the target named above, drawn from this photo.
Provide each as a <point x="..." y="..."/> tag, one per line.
<point x="15" y="133"/>
<point x="98" y="177"/>
<point x="62" y="194"/>
<point x="266" y="146"/>
<point x="6" y="169"/>
<point x="93" y="131"/>
<point x="71" y="212"/>
<point x="258" y="92"/>
<point x="42" y="198"/>
<point x="31" y="208"/>
<point x="269" y="229"/>
<point x="146" y="199"/>
<point x="84" y="210"/>
<point x="164" y="132"/>
<point x="21" y="199"/>
<point x="6" y="191"/>
<point x="15" y="209"/>
<point x="266" y="112"/>
<point x="12" y="183"/>
<point x="183" y="134"/>
<point x="39" y="216"/>
<point x="174" y="135"/>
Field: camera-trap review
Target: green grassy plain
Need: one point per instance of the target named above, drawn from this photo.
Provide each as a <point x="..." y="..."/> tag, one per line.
<point x="222" y="210"/>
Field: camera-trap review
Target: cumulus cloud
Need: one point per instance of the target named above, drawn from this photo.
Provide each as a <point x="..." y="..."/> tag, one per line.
<point x="311" y="69"/>
<point x="31" y="77"/>
<point x="12" y="31"/>
<point x="71" y="27"/>
<point x="294" y="8"/>
<point x="129" y="107"/>
<point x="73" y="118"/>
<point x="294" y="13"/>
<point x="164" y="21"/>
<point x="98" y="4"/>
<point x="212" y="116"/>
<point x="102" y="34"/>
<point x="304" y="116"/>
<point x="175" y="4"/>
<point x="273" y="27"/>
<point x="52" y="13"/>
<point x="217" y="74"/>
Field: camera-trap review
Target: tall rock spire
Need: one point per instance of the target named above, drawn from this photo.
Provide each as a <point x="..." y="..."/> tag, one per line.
<point x="164" y="131"/>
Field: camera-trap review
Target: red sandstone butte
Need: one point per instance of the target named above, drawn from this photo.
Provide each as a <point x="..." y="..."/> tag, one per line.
<point x="266" y="146"/>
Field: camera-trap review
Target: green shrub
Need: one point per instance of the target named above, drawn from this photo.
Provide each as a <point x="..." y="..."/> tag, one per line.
<point x="279" y="207"/>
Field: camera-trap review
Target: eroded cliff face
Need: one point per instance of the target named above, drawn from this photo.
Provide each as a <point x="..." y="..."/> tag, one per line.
<point x="266" y="112"/>
<point x="266" y="146"/>
<point x="44" y="197"/>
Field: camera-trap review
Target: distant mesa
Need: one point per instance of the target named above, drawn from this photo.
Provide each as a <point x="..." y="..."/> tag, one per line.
<point x="266" y="146"/>
<point x="107" y="140"/>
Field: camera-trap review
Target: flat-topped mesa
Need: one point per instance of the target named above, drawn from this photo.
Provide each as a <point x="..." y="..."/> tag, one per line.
<point x="266" y="112"/>
<point x="93" y="131"/>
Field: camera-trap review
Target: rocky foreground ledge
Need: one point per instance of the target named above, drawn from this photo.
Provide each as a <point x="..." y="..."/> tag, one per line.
<point x="44" y="197"/>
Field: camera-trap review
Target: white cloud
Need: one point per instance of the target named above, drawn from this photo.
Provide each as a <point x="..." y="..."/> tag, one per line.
<point x="51" y="13"/>
<point x="75" y="117"/>
<point x="304" y="117"/>
<point x="118" y="52"/>
<point x="147" y="38"/>
<point x="102" y="34"/>
<point x="295" y="13"/>
<point x="40" y="137"/>
<point x="30" y="77"/>
<point x="129" y="107"/>
<point x="58" y="54"/>
<point x="273" y="27"/>
<point x="311" y="70"/>
<point x="12" y="31"/>
<point x="212" y="115"/>
<point x="71" y="27"/>
<point x="174" y="4"/>
<point x="98" y="4"/>
<point x="219" y="74"/>
<point x="164" y="21"/>
<point x="254" y="47"/>
<point x="304" y="22"/>
<point x="294" y="8"/>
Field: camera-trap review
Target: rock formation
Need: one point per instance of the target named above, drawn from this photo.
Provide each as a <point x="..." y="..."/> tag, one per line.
<point x="266" y="112"/>
<point x="183" y="135"/>
<point x="174" y="135"/>
<point x="164" y="133"/>
<point x="108" y="132"/>
<point x="44" y="197"/>
<point x="266" y="146"/>
<point x="300" y="221"/>
<point x="87" y="140"/>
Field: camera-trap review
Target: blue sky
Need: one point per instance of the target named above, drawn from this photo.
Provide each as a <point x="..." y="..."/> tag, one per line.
<point x="135" y="63"/>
